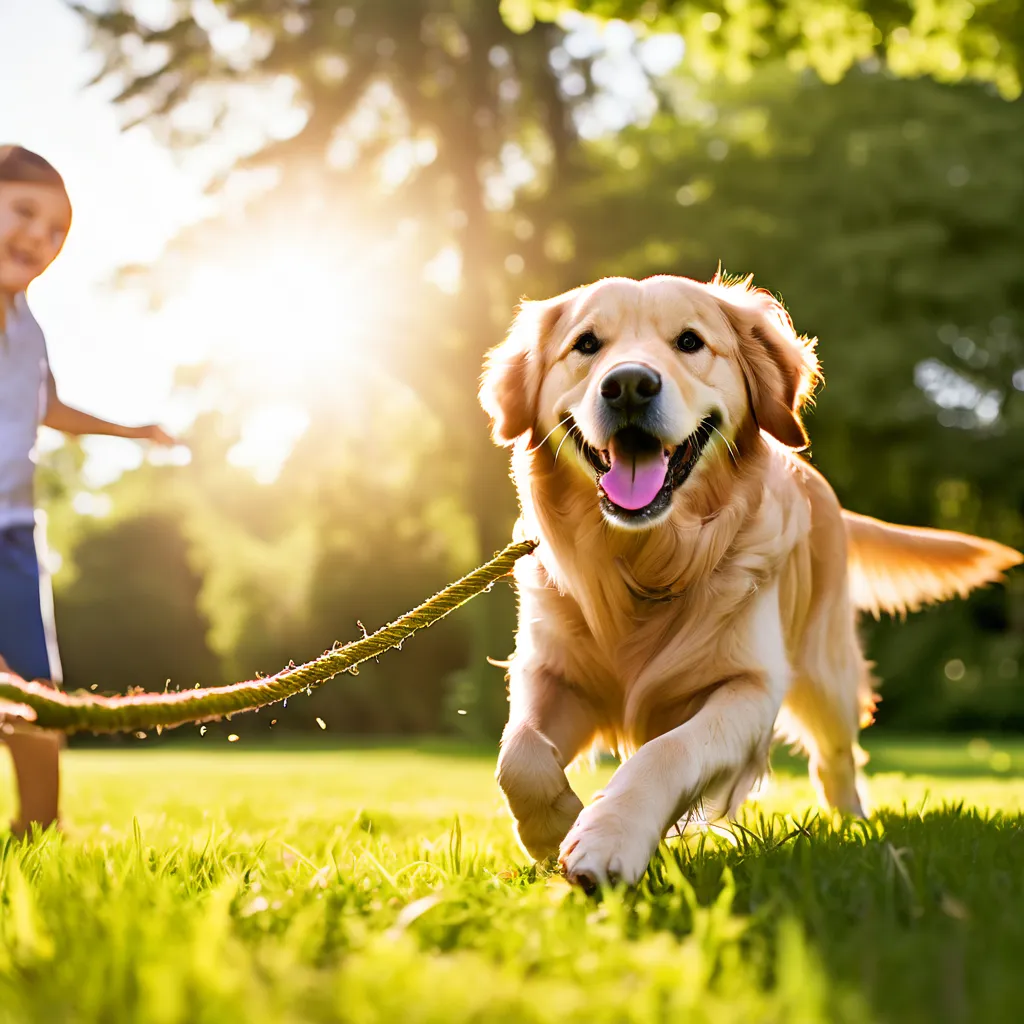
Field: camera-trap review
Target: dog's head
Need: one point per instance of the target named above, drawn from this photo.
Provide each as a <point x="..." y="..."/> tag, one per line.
<point x="654" y="381"/>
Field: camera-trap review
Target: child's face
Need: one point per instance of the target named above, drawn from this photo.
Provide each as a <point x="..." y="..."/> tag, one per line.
<point x="34" y="221"/>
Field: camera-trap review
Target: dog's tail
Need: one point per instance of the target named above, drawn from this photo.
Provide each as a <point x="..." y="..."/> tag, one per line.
<point x="897" y="569"/>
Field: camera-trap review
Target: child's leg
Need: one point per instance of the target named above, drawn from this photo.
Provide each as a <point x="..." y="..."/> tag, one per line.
<point x="28" y="643"/>
<point x="36" y="756"/>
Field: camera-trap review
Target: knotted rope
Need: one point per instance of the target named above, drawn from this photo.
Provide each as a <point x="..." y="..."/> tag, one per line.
<point x="83" y="711"/>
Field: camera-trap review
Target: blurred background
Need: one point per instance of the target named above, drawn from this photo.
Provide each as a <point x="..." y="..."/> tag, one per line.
<point x="300" y="223"/>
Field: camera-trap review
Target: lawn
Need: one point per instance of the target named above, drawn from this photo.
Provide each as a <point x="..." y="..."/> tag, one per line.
<point x="230" y="884"/>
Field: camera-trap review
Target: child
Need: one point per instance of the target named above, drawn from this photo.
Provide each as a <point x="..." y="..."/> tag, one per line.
<point x="35" y="215"/>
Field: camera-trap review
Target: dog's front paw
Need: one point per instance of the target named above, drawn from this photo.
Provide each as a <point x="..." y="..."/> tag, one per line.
<point x="609" y="843"/>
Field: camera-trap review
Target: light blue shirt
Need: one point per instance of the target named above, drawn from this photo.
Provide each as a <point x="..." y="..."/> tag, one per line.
<point x="24" y="390"/>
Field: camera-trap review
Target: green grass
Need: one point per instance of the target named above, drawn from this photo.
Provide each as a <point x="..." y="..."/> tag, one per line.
<point x="226" y="884"/>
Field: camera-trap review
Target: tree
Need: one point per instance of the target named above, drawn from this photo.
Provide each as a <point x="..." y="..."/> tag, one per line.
<point x="412" y="116"/>
<point x="136" y="589"/>
<point x="407" y="113"/>
<point x="948" y="40"/>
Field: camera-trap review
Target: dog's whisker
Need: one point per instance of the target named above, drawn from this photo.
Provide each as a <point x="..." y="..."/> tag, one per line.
<point x="733" y="452"/>
<point x="568" y="434"/>
<point x="560" y="423"/>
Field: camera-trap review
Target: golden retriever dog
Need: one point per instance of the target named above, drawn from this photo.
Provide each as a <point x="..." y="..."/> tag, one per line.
<point x="696" y="586"/>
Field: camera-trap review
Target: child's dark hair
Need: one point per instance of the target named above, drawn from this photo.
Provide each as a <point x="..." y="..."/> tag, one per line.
<point x="20" y="164"/>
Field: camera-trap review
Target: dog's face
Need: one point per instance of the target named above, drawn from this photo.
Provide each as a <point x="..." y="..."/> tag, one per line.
<point x="648" y="382"/>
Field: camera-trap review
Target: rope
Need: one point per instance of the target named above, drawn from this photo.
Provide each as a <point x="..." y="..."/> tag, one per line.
<point x="84" y="711"/>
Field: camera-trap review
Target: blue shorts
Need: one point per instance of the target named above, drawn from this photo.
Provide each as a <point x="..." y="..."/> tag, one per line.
<point x="27" y="637"/>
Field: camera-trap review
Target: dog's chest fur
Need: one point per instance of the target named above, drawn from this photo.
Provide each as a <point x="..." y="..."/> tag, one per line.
<point x="642" y="623"/>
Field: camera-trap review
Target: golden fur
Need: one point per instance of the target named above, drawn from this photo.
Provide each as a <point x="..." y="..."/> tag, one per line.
<point x="686" y="643"/>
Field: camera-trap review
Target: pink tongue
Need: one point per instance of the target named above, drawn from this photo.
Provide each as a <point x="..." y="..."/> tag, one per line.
<point x="634" y="480"/>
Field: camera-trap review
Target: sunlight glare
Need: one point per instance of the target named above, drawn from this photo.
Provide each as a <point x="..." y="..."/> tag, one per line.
<point x="445" y="270"/>
<point x="268" y="437"/>
<point x="282" y="318"/>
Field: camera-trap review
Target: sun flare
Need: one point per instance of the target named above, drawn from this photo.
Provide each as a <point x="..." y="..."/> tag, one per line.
<point x="285" y="314"/>
<point x="280" y="326"/>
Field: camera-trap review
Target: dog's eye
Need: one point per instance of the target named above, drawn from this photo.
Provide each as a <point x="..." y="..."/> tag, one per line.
<point x="689" y="341"/>
<point x="587" y="343"/>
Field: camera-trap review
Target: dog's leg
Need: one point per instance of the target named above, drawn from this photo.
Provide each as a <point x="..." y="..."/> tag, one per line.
<point x="822" y="711"/>
<point x="614" y="837"/>
<point x="548" y="726"/>
<point x="723" y="800"/>
<point x="823" y="715"/>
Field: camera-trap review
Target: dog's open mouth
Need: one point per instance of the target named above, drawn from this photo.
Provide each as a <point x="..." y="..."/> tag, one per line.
<point x="637" y="473"/>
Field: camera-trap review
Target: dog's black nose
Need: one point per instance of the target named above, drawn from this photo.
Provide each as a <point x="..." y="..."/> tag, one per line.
<point x="630" y="386"/>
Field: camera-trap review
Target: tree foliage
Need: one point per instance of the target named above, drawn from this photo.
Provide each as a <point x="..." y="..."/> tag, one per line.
<point x="130" y="616"/>
<point x="948" y="40"/>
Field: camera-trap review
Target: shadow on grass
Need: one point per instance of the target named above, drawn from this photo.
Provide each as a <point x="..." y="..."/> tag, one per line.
<point x="919" y="918"/>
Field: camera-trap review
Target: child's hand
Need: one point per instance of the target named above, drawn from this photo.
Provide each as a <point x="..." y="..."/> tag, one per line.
<point x="10" y="708"/>
<point x="155" y="433"/>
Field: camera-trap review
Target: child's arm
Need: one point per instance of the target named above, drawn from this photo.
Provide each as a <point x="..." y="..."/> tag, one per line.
<point x="73" y="421"/>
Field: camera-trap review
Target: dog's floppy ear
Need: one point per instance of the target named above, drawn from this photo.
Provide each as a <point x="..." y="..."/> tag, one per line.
<point x="512" y="370"/>
<point x="779" y="366"/>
